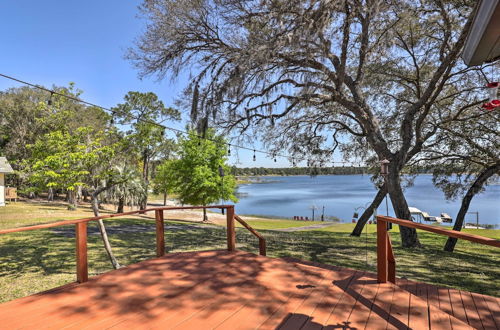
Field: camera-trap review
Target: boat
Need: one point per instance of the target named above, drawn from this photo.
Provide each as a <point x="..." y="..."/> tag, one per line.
<point x="446" y="218"/>
<point x="419" y="216"/>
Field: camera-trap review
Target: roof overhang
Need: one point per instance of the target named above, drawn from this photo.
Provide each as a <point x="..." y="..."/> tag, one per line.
<point x="483" y="42"/>
<point x="5" y="166"/>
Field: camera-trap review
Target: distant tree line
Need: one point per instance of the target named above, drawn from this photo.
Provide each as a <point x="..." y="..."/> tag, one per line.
<point x="284" y="171"/>
<point x="333" y="170"/>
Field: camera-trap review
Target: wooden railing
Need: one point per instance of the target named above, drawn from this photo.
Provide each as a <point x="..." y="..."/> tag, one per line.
<point x="262" y="240"/>
<point x="386" y="264"/>
<point x="81" y="232"/>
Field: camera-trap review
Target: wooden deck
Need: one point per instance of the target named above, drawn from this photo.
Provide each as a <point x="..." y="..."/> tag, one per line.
<point x="237" y="290"/>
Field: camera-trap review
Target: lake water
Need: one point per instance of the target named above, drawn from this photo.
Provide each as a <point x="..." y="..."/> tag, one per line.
<point x="342" y="194"/>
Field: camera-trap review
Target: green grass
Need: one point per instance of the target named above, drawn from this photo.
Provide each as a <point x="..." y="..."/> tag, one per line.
<point x="472" y="266"/>
<point x="279" y="224"/>
<point x="24" y="214"/>
<point x="34" y="261"/>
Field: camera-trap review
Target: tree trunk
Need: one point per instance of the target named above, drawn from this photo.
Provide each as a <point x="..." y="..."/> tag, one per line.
<point x="102" y="229"/>
<point x="79" y="194"/>
<point x="71" y="197"/>
<point x="471" y="192"/>
<point x="164" y="199"/>
<point x="145" y="176"/>
<point x="205" y="217"/>
<point x="121" y="204"/>
<point x="409" y="236"/>
<point x="50" y="195"/>
<point x="85" y="195"/>
<point x="379" y="197"/>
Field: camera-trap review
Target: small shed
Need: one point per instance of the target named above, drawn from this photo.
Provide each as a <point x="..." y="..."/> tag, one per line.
<point x="4" y="169"/>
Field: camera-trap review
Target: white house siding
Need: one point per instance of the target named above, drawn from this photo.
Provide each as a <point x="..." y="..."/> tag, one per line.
<point x="2" y="189"/>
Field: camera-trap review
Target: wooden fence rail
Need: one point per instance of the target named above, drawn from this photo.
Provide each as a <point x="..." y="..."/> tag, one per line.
<point x="262" y="240"/>
<point x="81" y="232"/>
<point x="386" y="264"/>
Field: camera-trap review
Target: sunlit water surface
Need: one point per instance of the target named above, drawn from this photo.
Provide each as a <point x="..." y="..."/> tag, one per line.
<point x="342" y="194"/>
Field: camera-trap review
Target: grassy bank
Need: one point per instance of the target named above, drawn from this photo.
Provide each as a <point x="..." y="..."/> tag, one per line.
<point x="34" y="261"/>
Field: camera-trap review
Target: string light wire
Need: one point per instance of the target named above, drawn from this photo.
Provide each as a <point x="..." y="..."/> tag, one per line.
<point x="112" y="112"/>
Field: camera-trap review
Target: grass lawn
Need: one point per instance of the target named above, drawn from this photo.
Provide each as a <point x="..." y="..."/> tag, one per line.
<point x="34" y="261"/>
<point x="278" y="224"/>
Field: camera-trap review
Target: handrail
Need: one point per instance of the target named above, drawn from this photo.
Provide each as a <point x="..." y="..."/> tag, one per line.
<point x="81" y="232"/>
<point x="442" y="231"/>
<point x="386" y="265"/>
<point x="107" y="216"/>
<point x="262" y="240"/>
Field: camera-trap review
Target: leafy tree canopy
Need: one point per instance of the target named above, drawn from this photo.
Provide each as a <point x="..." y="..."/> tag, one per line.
<point x="69" y="161"/>
<point x="195" y="176"/>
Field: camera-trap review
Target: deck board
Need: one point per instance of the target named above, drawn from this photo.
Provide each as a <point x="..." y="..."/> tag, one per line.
<point x="239" y="290"/>
<point x="331" y="296"/>
<point x="484" y="312"/>
<point x="471" y="310"/>
<point x="457" y="305"/>
<point x="494" y="307"/>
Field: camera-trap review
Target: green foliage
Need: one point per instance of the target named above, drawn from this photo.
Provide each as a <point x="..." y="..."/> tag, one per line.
<point x="195" y="175"/>
<point x="68" y="161"/>
<point x="141" y="111"/>
<point x="130" y="190"/>
<point x="164" y="180"/>
<point x="26" y="117"/>
<point x="66" y="146"/>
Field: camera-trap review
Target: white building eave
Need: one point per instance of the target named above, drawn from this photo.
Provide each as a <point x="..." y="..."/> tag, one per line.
<point x="483" y="42"/>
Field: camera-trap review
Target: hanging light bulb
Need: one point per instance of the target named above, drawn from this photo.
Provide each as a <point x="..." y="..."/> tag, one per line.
<point x="229" y="149"/>
<point x="49" y="101"/>
<point x="254" y="157"/>
<point x="221" y="171"/>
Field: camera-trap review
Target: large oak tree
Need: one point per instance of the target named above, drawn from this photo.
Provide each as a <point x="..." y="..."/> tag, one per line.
<point x="384" y="74"/>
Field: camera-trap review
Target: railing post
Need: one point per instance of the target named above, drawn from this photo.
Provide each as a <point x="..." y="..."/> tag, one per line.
<point x="262" y="247"/>
<point x="160" y="233"/>
<point x="391" y="261"/>
<point x="82" y="272"/>
<point x="231" y="233"/>
<point x="381" y="251"/>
